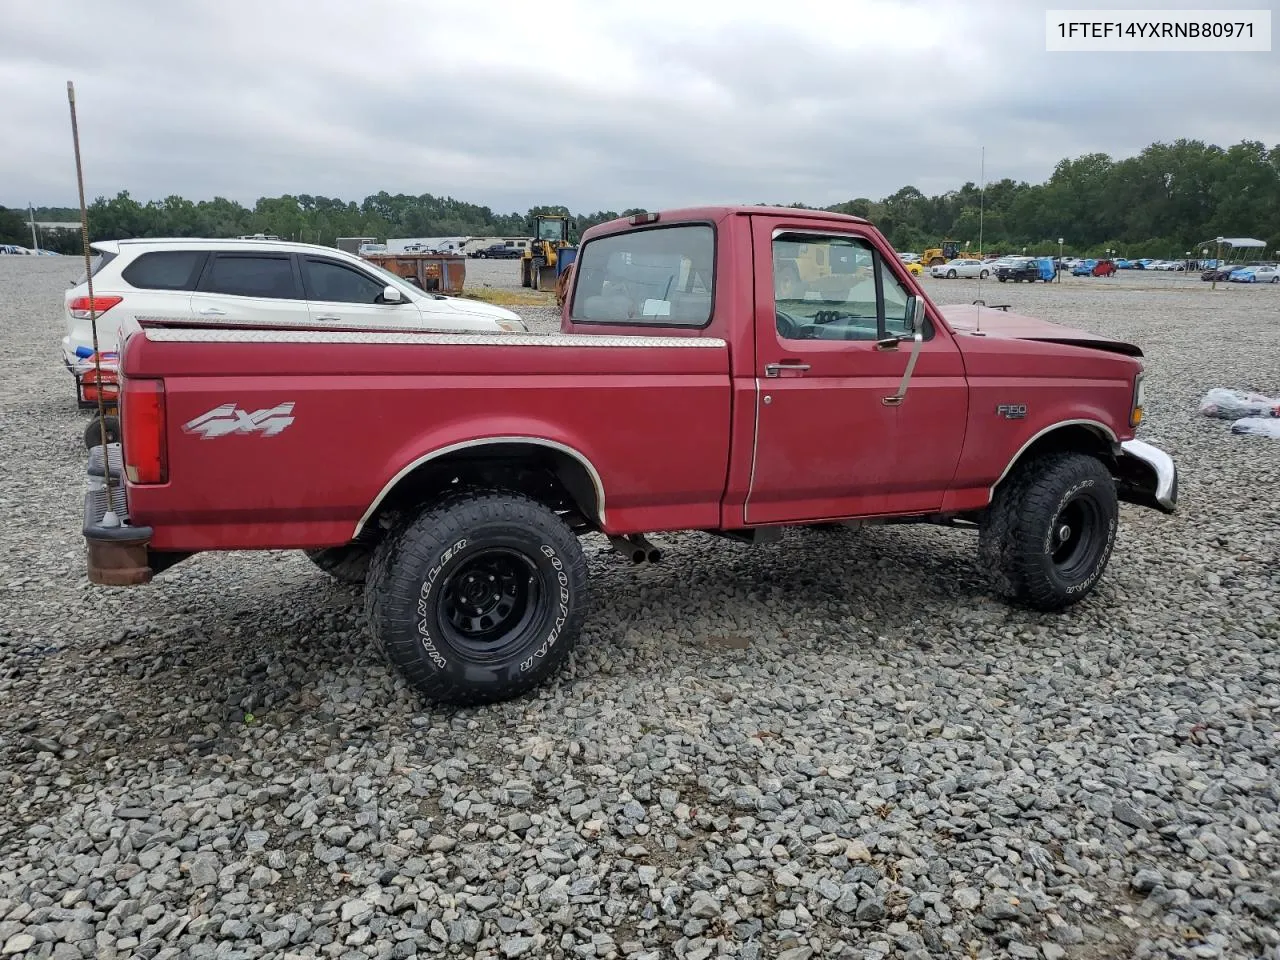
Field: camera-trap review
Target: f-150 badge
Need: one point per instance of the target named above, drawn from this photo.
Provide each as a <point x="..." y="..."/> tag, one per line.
<point x="1012" y="411"/>
<point x="229" y="419"/>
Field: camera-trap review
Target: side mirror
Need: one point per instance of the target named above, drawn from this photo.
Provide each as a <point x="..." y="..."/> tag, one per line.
<point x="391" y="294"/>
<point x="916" y="307"/>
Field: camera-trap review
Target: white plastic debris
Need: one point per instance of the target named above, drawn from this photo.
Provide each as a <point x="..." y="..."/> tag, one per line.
<point x="1234" y="404"/>
<point x="1258" y="426"/>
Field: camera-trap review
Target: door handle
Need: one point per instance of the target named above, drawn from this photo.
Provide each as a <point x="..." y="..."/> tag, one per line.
<point x="329" y="319"/>
<point x="212" y="312"/>
<point x="775" y="369"/>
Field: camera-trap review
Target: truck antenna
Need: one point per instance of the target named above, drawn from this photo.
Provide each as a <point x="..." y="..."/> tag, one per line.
<point x="982" y="189"/>
<point x="109" y="519"/>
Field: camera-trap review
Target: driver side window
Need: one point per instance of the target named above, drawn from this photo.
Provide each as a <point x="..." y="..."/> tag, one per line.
<point x="824" y="288"/>
<point x="836" y="288"/>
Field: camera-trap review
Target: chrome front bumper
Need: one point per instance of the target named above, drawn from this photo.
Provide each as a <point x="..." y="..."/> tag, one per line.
<point x="1148" y="476"/>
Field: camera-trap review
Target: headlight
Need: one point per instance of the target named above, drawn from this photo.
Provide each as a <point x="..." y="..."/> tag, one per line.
<point x="1139" y="397"/>
<point x="513" y="326"/>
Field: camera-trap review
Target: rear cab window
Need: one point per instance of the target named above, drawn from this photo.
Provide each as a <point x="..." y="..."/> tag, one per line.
<point x="658" y="276"/>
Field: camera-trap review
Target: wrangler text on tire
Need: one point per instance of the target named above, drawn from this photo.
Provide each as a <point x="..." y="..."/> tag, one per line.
<point x="1048" y="534"/>
<point x="479" y="598"/>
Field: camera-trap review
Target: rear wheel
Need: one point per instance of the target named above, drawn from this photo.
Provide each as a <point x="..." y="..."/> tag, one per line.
<point x="93" y="431"/>
<point x="1048" y="534"/>
<point x="478" y="599"/>
<point x="984" y="274"/>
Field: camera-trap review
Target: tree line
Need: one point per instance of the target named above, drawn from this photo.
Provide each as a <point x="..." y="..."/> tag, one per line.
<point x="1160" y="203"/>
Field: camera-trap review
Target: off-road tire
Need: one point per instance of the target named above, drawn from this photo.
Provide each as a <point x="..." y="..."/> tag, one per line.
<point x="93" y="432"/>
<point x="417" y="581"/>
<point x="1017" y="540"/>
<point x="348" y="563"/>
<point x="535" y="272"/>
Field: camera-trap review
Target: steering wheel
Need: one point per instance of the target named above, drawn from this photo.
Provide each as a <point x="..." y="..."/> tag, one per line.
<point x="790" y="329"/>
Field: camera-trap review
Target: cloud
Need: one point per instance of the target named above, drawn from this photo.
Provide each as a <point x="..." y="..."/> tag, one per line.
<point x="593" y="105"/>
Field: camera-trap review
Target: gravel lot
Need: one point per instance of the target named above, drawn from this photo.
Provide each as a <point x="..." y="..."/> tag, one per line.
<point x="833" y="746"/>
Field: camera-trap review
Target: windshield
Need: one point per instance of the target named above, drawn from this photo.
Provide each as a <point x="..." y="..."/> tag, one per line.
<point x="550" y="229"/>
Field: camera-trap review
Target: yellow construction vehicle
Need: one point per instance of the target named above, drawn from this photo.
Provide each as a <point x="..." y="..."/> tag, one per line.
<point x="538" y="263"/>
<point x="949" y="250"/>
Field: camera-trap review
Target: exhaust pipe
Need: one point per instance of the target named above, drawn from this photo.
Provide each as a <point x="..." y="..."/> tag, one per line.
<point x="651" y="553"/>
<point x="636" y="547"/>
<point x="627" y="548"/>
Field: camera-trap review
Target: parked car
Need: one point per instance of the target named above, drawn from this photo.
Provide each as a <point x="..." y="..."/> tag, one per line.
<point x="915" y="268"/>
<point x="500" y="251"/>
<point x="1221" y="272"/>
<point x="1262" y="273"/>
<point x="255" y="284"/>
<point x="960" y="267"/>
<point x="1104" y="268"/>
<point x="1029" y="269"/>
<point x="1084" y="268"/>
<point x="464" y="525"/>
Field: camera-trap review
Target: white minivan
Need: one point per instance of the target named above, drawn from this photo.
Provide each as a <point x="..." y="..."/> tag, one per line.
<point x="253" y="283"/>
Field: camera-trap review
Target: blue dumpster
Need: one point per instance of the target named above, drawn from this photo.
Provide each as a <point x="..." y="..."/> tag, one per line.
<point x="564" y="258"/>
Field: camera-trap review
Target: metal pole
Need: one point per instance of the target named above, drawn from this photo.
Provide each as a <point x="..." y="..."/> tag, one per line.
<point x="31" y="214"/>
<point x="109" y="519"/>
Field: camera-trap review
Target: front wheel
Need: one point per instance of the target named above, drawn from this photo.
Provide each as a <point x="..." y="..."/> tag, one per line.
<point x="1048" y="534"/>
<point x="951" y="274"/>
<point x="480" y="598"/>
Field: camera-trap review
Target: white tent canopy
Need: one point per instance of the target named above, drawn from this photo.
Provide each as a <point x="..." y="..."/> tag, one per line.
<point x="1240" y="242"/>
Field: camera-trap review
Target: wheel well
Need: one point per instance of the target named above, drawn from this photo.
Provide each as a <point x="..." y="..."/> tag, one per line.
<point x="1068" y="438"/>
<point x="550" y="475"/>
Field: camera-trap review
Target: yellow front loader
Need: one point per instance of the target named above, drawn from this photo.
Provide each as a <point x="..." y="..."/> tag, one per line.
<point x="538" y="263"/>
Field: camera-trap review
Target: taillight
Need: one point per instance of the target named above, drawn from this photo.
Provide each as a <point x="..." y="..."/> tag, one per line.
<point x="142" y="425"/>
<point x="80" y="306"/>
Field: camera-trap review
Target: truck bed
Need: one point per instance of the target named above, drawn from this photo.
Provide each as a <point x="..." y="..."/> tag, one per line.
<point x="347" y="414"/>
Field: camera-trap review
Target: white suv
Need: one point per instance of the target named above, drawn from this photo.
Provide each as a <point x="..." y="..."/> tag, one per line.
<point x="253" y="283"/>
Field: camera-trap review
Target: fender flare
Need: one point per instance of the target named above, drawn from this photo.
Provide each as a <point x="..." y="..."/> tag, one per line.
<point x="444" y="451"/>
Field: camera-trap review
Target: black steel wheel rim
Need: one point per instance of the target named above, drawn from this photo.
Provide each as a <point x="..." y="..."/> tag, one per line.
<point x="489" y="602"/>
<point x="1077" y="538"/>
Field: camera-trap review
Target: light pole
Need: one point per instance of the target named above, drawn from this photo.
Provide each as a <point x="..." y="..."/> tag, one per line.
<point x="1058" y="272"/>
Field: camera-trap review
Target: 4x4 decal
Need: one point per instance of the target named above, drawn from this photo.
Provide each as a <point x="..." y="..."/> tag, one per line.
<point x="229" y="419"/>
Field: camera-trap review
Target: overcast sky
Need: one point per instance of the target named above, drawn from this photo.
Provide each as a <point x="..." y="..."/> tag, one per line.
<point x="596" y="104"/>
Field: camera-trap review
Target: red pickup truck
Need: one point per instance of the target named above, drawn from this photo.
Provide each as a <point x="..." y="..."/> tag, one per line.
<point x="731" y="370"/>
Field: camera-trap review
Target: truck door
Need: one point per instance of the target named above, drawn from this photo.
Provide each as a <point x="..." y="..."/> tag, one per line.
<point x="831" y="439"/>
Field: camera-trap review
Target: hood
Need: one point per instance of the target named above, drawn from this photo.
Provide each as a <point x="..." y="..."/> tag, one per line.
<point x="970" y="317"/>
<point x="479" y="310"/>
